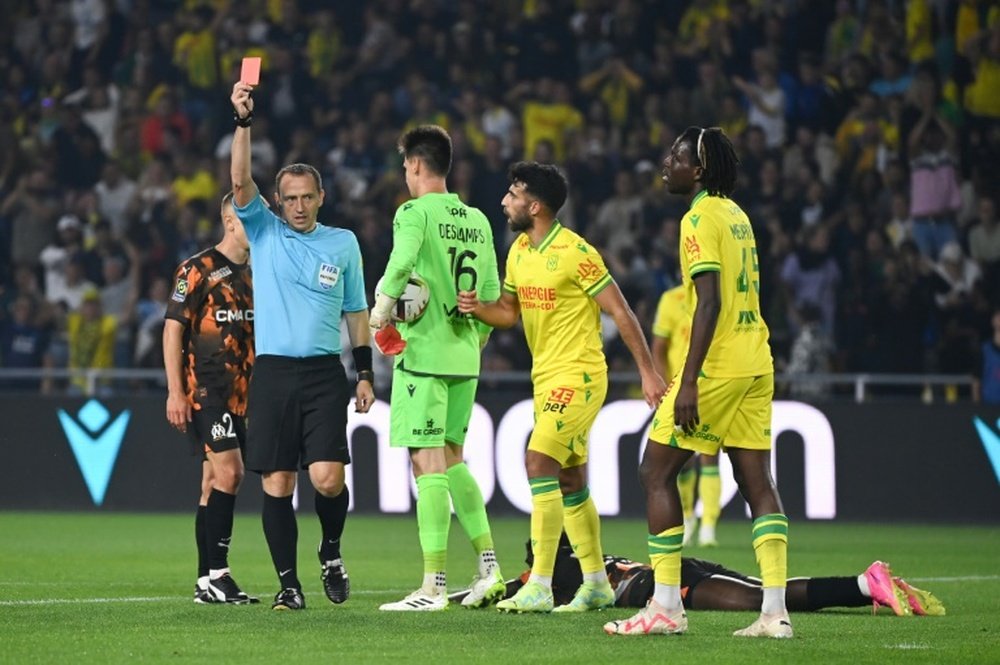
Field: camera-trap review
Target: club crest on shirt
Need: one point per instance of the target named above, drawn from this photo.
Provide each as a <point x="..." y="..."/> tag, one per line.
<point x="328" y="276"/>
<point x="692" y="248"/>
<point x="553" y="263"/>
<point x="588" y="270"/>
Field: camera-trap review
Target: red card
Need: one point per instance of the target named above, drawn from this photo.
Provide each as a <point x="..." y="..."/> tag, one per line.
<point x="250" y="73"/>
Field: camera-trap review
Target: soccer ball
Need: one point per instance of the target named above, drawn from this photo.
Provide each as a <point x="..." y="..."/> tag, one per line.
<point x="413" y="301"/>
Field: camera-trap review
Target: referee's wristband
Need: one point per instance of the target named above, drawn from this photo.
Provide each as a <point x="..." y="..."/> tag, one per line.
<point x="366" y="375"/>
<point x="243" y="122"/>
<point x="363" y="362"/>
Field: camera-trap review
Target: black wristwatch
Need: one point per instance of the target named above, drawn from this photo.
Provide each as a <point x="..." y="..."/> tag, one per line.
<point x="366" y="375"/>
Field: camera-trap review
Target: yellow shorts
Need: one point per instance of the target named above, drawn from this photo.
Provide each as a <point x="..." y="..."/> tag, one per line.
<point x="565" y="410"/>
<point x="734" y="413"/>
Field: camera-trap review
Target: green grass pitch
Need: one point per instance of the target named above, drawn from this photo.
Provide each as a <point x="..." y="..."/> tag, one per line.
<point x="116" y="588"/>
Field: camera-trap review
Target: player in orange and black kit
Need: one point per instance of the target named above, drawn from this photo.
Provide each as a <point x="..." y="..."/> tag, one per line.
<point x="208" y="353"/>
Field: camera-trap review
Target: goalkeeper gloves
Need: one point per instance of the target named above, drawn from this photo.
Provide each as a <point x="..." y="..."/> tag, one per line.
<point x="389" y="341"/>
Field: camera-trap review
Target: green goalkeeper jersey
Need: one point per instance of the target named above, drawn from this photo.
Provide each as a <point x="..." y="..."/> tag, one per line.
<point x="450" y="245"/>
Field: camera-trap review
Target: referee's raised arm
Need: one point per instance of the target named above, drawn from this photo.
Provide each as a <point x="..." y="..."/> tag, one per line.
<point x="244" y="188"/>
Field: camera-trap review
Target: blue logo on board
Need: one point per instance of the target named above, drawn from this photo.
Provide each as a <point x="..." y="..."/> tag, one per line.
<point x="991" y="442"/>
<point x="95" y="444"/>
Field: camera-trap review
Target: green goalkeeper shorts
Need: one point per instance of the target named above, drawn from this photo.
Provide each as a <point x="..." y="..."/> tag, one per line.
<point x="426" y="411"/>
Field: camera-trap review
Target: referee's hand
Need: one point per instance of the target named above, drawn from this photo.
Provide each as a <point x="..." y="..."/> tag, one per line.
<point x="178" y="411"/>
<point x="241" y="100"/>
<point x="364" y="397"/>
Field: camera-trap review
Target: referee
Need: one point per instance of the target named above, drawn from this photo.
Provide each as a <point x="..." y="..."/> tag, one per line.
<point x="306" y="277"/>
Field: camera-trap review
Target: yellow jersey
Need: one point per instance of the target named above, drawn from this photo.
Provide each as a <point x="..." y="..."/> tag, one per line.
<point x="673" y="322"/>
<point x="555" y="284"/>
<point x="716" y="236"/>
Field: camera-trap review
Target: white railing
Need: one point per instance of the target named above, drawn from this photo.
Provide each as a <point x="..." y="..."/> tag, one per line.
<point x="93" y="381"/>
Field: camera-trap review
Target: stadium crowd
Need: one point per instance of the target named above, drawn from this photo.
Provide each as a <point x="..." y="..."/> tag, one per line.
<point x="866" y="129"/>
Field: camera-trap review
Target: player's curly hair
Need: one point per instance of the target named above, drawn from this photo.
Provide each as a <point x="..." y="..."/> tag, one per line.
<point x="716" y="155"/>
<point x="431" y="144"/>
<point x="543" y="181"/>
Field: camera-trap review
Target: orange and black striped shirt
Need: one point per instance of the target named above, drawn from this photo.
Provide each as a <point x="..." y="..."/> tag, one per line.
<point x="213" y="299"/>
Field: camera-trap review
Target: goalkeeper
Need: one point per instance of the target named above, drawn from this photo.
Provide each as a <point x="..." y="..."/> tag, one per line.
<point x="437" y="367"/>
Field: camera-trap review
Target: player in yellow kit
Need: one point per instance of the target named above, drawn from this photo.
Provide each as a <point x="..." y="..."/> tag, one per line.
<point x="723" y="395"/>
<point x="558" y="284"/>
<point x="671" y="335"/>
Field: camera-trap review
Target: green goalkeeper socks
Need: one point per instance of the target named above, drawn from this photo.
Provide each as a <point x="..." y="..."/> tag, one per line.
<point x="433" y="520"/>
<point x="470" y="509"/>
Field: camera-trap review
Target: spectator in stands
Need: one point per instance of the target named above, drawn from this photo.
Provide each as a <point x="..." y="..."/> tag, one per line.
<point x="193" y="181"/>
<point x="707" y="98"/>
<point x="508" y="82"/>
<point x="77" y="151"/>
<point x="98" y="102"/>
<point x="546" y="114"/>
<point x="988" y="384"/>
<point x="90" y="335"/>
<point x="149" y="313"/>
<point x="31" y="211"/>
<point x="811" y="353"/>
<point x="118" y="299"/>
<point x="195" y="51"/>
<point x="766" y="102"/>
<point x="811" y="276"/>
<point x="24" y="342"/>
<point x="954" y="282"/>
<point x="934" y="190"/>
<point x="166" y="127"/>
<point x="984" y="237"/>
<point x="55" y="256"/>
<point x="618" y="224"/>
<point x="104" y="245"/>
<point x="153" y="190"/>
<point x="67" y="294"/>
<point x="24" y="283"/>
<point x="114" y="193"/>
<point x="893" y="77"/>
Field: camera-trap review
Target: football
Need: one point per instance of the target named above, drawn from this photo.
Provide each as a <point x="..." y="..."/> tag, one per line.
<point x="413" y="301"/>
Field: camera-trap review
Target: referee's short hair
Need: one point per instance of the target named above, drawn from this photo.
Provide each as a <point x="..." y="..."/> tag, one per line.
<point x="543" y="181"/>
<point x="430" y="143"/>
<point x="297" y="169"/>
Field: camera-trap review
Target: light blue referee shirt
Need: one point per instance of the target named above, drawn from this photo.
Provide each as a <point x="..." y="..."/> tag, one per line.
<point x="302" y="283"/>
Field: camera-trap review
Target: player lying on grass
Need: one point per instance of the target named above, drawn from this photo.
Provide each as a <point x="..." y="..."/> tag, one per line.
<point x="706" y="585"/>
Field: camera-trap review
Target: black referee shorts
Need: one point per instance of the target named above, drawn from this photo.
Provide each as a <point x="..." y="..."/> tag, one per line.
<point x="297" y="413"/>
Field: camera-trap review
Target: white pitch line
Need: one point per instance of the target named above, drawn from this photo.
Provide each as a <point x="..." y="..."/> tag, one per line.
<point x="964" y="578"/>
<point x="149" y="599"/>
<point x="73" y="601"/>
<point x="362" y="592"/>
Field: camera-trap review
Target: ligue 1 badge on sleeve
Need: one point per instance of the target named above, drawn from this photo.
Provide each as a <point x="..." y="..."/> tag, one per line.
<point x="180" y="291"/>
<point x="328" y="276"/>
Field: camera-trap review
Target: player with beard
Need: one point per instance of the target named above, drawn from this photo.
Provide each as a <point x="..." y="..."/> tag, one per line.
<point x="558" y="285"/>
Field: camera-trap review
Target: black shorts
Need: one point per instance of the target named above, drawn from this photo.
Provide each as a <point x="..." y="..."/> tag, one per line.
<point x="297" y="413"/>
<point x="216" y="429"/>
<point x="696" y="571"/>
